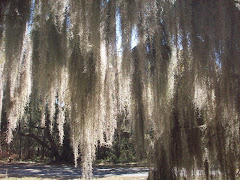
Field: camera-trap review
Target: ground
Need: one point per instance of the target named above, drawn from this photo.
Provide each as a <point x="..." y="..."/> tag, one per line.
<point x="37" y="171"/>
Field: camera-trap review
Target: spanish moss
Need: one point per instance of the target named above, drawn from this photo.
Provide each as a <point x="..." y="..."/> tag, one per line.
<point x="179" y="85"/>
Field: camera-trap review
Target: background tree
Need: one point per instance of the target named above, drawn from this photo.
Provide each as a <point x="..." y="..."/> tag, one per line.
<point x="181" y="82"/>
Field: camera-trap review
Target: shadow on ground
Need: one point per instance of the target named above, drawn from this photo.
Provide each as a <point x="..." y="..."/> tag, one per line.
<point x="68" y="172"/>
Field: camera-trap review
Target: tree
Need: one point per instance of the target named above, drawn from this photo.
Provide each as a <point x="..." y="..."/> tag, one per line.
<point x="32" y="141"/>
<point x="181" y="81"/>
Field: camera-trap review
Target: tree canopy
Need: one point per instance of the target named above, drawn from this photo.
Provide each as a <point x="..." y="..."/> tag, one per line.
<point x="179" y="86"/>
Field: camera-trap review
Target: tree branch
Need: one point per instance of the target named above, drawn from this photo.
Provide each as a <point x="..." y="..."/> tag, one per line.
<point x="36" y="139"/>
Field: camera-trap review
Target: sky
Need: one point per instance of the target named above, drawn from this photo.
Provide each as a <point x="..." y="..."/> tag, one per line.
<point x="134" y="38"/>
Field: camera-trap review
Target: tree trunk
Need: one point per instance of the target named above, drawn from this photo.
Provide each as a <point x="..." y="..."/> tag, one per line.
<point x="43" y="147"/>
<point x="54" y="148"/>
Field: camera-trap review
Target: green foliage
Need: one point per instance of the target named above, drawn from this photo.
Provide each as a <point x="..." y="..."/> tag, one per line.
<point x="122" y="150"/>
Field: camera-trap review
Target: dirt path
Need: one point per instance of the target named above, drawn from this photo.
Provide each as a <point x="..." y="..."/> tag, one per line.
<point x="69" y="172"/>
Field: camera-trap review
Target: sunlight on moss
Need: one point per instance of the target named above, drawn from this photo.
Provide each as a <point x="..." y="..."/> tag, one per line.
<point x="180" y="80"/>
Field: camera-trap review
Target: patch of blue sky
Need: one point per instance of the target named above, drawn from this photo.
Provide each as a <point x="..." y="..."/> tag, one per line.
<point x="118" y="34"/>
<point x="176" y="41"/>
<point x="172" y="40"/>
<point x="30" y="22"/>
<point x="218" y="58"/>
<point x="67" y="16"/>
<point x="188" y="40"/>
<point x="134" y="38"/>
<point x="59" y="103"/>
<point x="104" y="3"/>
<point x="68" y="21"/>
<point x="134" y="35"/>
<point x="179" y="42"/>
<point x="201" y="38"/>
